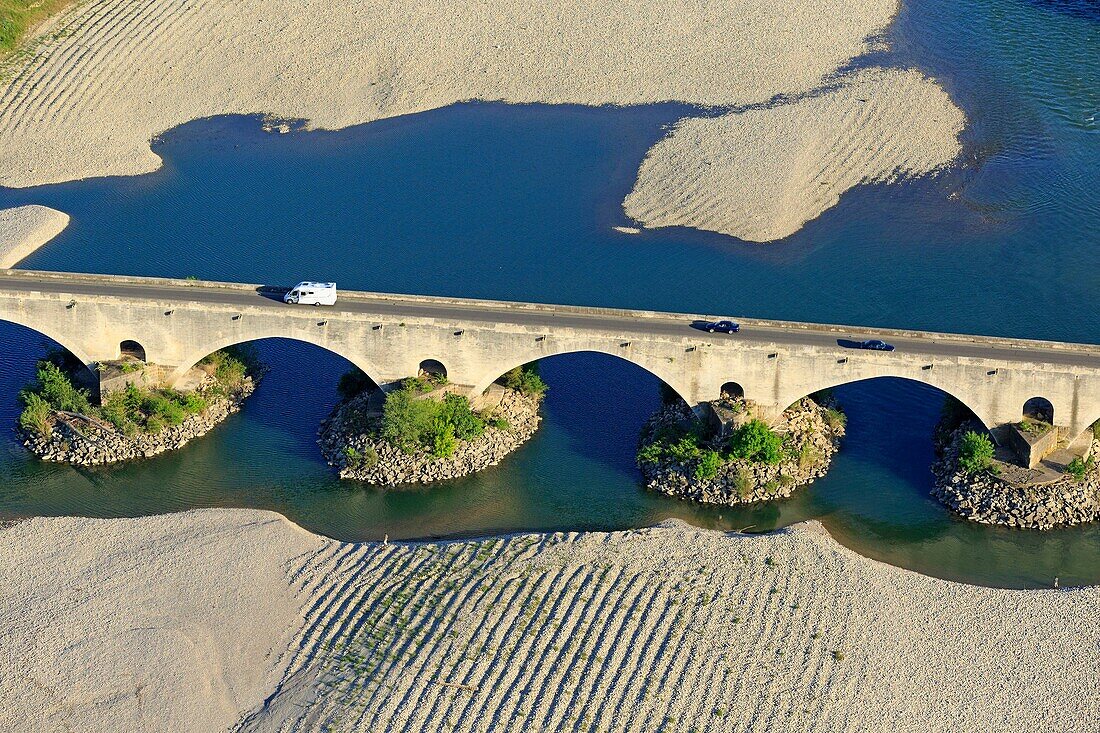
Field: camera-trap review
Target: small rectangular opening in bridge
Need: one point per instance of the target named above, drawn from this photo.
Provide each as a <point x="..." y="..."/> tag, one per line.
<point x="459" y="332"/>
<point x="540" y="338"/>
<point x="991" y="372"/>
<point x="237" y="317"/>
<point x="168" y="313"/>
<point x="376" y="327"/>
<point x="773" y="355"/>
<point x="624" y="344"/>
<point x="842" y="360"/>
<point x="926" y="367"/>
<point x="322" y="323"/>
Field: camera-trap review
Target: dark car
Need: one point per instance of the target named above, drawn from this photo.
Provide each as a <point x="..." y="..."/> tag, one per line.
<point x="876" y="345"/>
<point x="722" y="327"/>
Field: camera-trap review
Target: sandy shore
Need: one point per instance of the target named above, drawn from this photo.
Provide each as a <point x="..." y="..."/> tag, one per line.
<point x="189" y="622"/>
<point x="760" y="175"/>
<point x="26" y="228"/>
<point x="107" y="77"/>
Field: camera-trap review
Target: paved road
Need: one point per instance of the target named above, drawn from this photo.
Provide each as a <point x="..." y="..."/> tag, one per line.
<point x="460" y="313"/>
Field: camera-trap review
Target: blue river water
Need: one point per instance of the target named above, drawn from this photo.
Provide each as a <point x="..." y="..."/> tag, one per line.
<point x="518" y="202"/>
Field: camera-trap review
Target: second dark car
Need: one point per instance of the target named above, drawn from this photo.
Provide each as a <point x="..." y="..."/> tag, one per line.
<point x="722" y="327"/>
<point x="876" y="345"/>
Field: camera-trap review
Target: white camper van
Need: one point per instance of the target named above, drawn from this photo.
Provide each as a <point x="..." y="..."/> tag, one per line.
<point x="312" y="294"/>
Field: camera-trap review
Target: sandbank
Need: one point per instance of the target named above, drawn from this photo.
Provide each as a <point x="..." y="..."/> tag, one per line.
<point x="238" y="619"/>
<point x="761" y="174"/>
<point x="24" y="229"/>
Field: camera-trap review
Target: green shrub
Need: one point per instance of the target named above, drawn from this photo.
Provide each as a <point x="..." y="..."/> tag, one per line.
<point x="352" y="457"/>
<point x="55" y="387"/>
<point x="165" y="410"/>
<point x="685" y="449"/>
<point x="410" y="423"/>
<point x="405" y="420"/>
<point x="232" y="364"/>
<point x="456" y="412"/>
<point x="191" y="403"/>
<point x="443" y="440"/>
<point x="1078" y="467"/>
<point x="756" y="442"/>
<point x="35" y="417"/>
<point x="127" y="411"/>
<point x="709" y="463"/>
<point x="419" y="385"/>
<point x="835" y="419"/>
<point x="744" y="483"/>
<point x="356" y="459"/>
<point x="114" y="411"/>
<point x="808" y="456"/>
<point x="975" y="452"/>
<point x="651" y="453"/>
<point x="500" y="423"/>
<point x="525" y="379"/>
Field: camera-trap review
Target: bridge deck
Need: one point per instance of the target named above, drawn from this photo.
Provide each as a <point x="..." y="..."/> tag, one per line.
<point x="461" y="311"/>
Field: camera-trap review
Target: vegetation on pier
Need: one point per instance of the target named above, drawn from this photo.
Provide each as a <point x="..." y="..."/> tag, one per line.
<point x="975" y="452"/>
<point x="413" y="424"/>
<point x="133" y="409"/>
<point x="754" y="442"/>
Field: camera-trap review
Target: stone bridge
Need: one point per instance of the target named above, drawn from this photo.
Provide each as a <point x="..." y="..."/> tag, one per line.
<point x="175" y="323"/>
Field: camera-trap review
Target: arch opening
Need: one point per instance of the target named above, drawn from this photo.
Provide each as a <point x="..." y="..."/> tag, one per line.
<point x="131" y="349"/>
<point x="732" y="391"/>
<point x="432" y="369"/>
<point x="178" y="374"/>
<point x="953" y="407"/>
<point x="668" y="390"/>
<point x="52" y="341"/>
<point x="1039" y="409"/>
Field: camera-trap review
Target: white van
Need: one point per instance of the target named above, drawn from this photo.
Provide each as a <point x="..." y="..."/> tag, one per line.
<point x="312" y="294"/>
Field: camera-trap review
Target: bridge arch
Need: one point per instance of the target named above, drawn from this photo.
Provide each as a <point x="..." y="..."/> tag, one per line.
<point x="60" y="339"/>
<point x="197" y="354"/>
<point x="988" y="420"/>
<point x="668" y="376"/>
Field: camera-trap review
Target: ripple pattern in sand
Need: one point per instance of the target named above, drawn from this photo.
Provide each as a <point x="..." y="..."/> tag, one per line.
<point x="655" y="630"/>
<point x="761" y="174"/>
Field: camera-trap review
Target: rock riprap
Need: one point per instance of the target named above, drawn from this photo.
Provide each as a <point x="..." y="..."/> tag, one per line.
<point x="990" y="499"/>
<point x="85" y="440"/>
<point x="685" y="459"/>
<point x="351" y="442"/>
